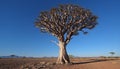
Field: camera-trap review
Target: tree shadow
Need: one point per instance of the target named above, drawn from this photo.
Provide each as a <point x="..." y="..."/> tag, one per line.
<point x="91" y="61"/>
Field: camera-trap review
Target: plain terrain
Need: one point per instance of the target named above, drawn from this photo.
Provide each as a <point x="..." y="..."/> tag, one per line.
<point x="49" y="63"/>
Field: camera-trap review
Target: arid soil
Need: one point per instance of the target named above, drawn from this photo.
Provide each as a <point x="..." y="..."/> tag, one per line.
<point x="49" y="63"/>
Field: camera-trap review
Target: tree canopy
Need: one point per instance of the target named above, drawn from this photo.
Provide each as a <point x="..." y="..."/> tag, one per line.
<point x="66" y="21"/>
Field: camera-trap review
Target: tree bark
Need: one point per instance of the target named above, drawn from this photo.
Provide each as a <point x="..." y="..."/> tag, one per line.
<point x="63" y="56"/>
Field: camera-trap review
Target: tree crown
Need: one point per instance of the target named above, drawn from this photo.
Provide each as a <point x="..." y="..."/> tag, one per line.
<point x="66" y="21"/>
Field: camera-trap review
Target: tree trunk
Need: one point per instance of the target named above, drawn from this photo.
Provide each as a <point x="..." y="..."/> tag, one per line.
<point x="63" y="56"/>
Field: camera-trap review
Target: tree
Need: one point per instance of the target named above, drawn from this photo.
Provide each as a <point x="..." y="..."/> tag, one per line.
<point x="71" y="56"/>
<point x="63" y="23"/>
<point x="12" y="55"/>
<point x="112" y="53"/>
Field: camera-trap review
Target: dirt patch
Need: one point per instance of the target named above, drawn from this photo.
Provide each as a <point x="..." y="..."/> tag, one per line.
<point x="49" y="63"/>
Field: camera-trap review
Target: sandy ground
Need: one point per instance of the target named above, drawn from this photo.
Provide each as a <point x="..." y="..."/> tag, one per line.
<point x="92" y="64"/>
<point x="49" y="63"/>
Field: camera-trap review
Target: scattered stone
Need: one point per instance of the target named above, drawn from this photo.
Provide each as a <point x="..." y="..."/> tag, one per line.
<point x="50" y="64"/>
<point x="42" y="63"/>
<point x="54" y="63"/>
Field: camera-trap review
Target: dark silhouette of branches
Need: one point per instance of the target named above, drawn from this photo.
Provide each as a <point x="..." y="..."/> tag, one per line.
<point x="65" y="21"/>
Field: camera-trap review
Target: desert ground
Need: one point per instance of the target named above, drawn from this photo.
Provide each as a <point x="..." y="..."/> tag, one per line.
<point x="49" y="63"/>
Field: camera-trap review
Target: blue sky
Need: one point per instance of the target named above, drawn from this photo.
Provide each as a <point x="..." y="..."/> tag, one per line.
<point x="19" y="36"/>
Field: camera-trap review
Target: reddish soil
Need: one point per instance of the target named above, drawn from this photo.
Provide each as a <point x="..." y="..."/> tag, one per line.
<point x="49" y="63"/>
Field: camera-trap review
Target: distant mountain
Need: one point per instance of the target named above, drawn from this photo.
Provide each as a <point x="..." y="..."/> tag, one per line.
<point x="11" y="56"/>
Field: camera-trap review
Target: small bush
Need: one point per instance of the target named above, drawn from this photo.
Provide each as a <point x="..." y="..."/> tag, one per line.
<point x="71" y="56"/>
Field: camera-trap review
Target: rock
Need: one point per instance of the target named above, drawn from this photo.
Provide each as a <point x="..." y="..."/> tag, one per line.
<point x="42" y="63"/>
<point x="50" y="64"/>
<point x="54" y="64"/>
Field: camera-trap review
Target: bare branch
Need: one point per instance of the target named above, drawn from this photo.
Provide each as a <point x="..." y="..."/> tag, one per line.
<point x="65" y="21"/>
<point x="55" y="42"/>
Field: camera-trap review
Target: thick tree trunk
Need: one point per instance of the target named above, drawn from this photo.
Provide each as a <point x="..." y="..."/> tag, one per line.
<point x="63" y="56"/>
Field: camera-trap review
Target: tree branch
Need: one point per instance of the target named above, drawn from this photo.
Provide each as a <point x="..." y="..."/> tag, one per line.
<point x="65" y="21"/>
<point x="54" y="42"/>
